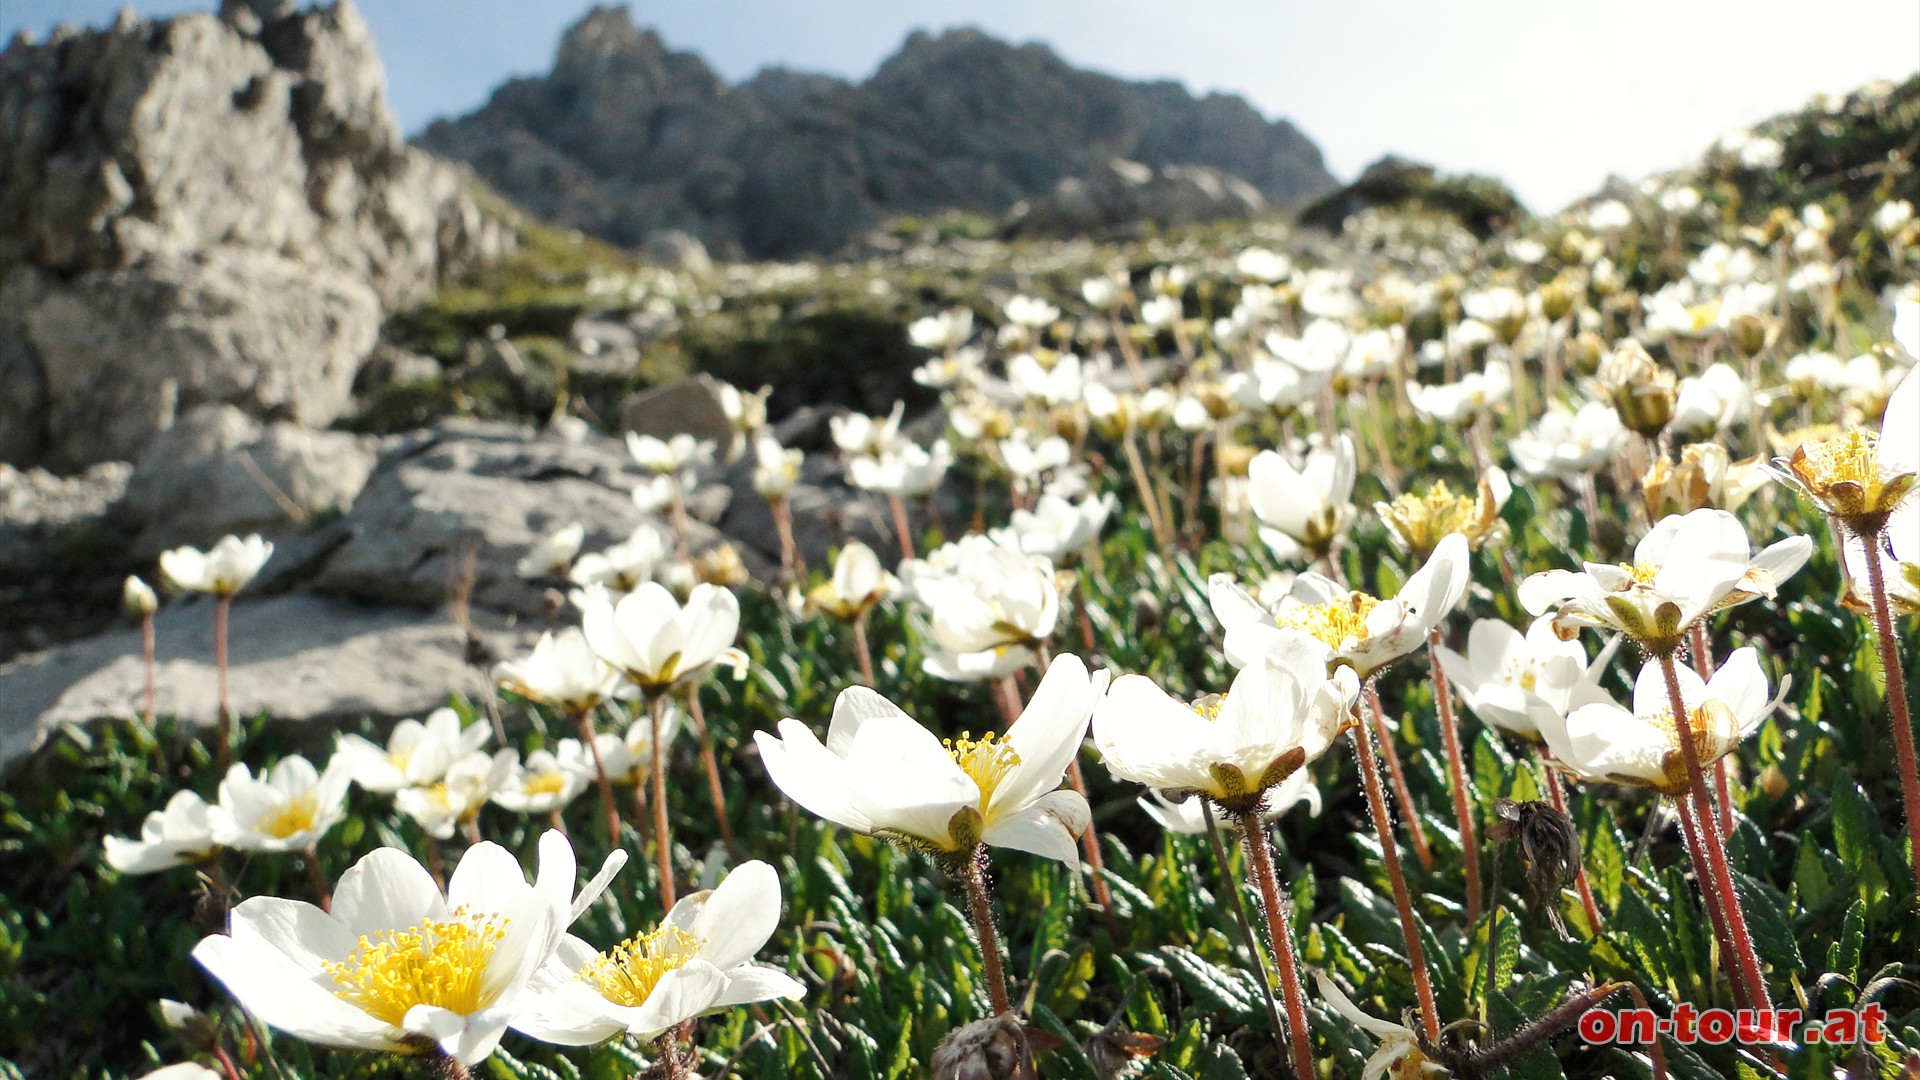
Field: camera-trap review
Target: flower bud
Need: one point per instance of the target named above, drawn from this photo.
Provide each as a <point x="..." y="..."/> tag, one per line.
<point x="138" y="597"/>
<point x="1643" y="392"/>
<point x="1753" y="333"/>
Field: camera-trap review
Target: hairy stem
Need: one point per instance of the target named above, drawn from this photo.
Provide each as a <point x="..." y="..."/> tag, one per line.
<point x="583" y="721"/>
<point x="224" y="740"/>
<point x="1416" y="832"/>
<point x="716" y="790"/>
<point x="662" y="831"/>
<point x="1898" y="716"/>
<point x="1402" y="900"/>
<point x="862" y="652"/>
<point x="1457" y="773"/>
<point x="973" y="873"/>
<point x="1716" y="851"/>
<point x="1260" y="873"/>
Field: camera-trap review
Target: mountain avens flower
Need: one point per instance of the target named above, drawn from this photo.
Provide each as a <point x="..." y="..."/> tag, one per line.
<point x="880" y="772"/>
<point x="287" y="808"/>
<point x="1417" y="523"/>
<point x="222" y="570"/>
<point x="397" y="965"/>
<point x="697" y="961"/>
<point x="180" y="835"/>
<point x="416" y="755"/>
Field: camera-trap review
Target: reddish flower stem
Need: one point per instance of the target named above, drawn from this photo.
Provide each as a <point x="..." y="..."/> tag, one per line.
<point x="901" y="526"/>
<point x="662" y="831"/>
<point x="584" y="722"/>
<point x="1716" y="852"/>
<point x="1898" y="717"/>
<point x="146" y="655"/>
<point x="1260" y="872"/>
<point x="1457" y="773"/>
<point x="1390" y="855"/>
<point x="973" y="874"/>
<point x="1703" y="666"/>
<point x="1416" y="832"/>
<point x="320" y="892"/>
<point x="861" y="651"/>
<point x="1690" y="833"/>
<point x="716" y="790"/>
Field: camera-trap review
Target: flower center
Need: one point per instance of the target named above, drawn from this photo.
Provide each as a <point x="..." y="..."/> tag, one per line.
<point x="627" y="973"/>
<point x="440" y="962"/>
<point x="297" y="816"/>
<point x="986" y="759"/>
<point x="1852" y="456"/>
<point x="546" y="783"/>
<point x="1524" y="674"/>
<point x="1209" y="707"/>
<point x="1333" y="623"/>
<point x="1643" y="573"/>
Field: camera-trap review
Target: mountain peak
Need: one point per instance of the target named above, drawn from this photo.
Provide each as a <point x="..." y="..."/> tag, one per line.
<point x="627" y="138"/>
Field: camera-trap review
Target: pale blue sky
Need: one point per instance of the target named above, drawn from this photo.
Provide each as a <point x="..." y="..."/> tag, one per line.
<point x="1549" y="96"/>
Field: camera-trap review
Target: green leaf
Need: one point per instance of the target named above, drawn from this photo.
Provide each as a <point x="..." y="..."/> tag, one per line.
<point x="1853" y="825"/>
<point x="1843" y="955"/>
<point x="1231" y="991"/>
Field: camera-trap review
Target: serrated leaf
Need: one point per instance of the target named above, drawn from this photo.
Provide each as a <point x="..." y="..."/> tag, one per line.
<point x="1843" y="954"/>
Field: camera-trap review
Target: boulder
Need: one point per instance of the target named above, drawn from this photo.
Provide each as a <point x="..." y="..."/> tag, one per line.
<point x="220" y="471"/>
<point x="121" y="353"/>
<point x="294" y="658"/>
<point x="1126" y="198"/>
<point x="477" y="497"/>
<point x="689" y="406"/>
<point x="205" y="209"/>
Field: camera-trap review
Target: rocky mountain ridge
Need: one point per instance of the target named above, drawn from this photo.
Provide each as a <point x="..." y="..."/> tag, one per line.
<point x="626" y="138"/>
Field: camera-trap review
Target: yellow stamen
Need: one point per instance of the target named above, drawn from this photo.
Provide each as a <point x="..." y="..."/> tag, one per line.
<point x="297" y="816"/>
<point x="1331" y="623"/>
<point x="986" y="759"/>
<point x="627" y="973"/>
<point x="1643" y="573"/>
<point x="1210" y="706"/>
<point x="441" y="962"/>
<point x="547" y="783"/>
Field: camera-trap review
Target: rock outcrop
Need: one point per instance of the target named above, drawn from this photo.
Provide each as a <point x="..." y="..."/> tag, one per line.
<point x="205" y="209"/>
<point x="1124" y="198"/>
<point x="626" y="139"/>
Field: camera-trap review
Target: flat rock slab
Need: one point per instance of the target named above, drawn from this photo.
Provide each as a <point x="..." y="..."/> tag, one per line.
<point x="294" y="658"/>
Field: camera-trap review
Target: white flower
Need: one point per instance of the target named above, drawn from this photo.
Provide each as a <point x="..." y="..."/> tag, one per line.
<point x="1641" y="747"/>
<point x="396" y="965"/>
<point x="1906" y="321"/>
<point x="879" y="772"/>
<point x="904" y="470"/>
<point x="776" y="470"/>
<point x="1057" y="527"/>
<point x="628" y="759"/>
<point x="1762" y="153"/>
<point x="1030" y="312"/>
<point x="1102" y="293"/>
<point x="185" y="1070"/>
<point x="625" y="565"/>
<point x="1357" y="630"/>
<point x="667" y="456"/>
<point x="1682" y="570"/>
<point x="223" y="570"/>
<point x="1259" y="264"/>
<point x="1680" y="200"/>
<point x="553" y="554"/>
<point x="1495" y="305"/>
<point x="1476" y="392"/>
<point x="1899" y="557"/>
<point x="657" y="643"/>
<point x="459" y="795"/>
<point x="562" y="671"/>
<point x="1609" y="215"/>
<point x="542" y="785"/>
<point x="1281" y="712"/>
<point x="699" y="960"/>
<point x="1398" y="1056"/>
<point x="656" y="493"/>
<point x="961" y="368"/>
<point x="137" y="597"/>
<point x="1188" y="816"/>
<point x="1160" y="311"/>
<point x="1566" y="444"/>
<point x="858" y="583"/>
<point x="989" y="605"/>
<point x="416" y="754"/>
<point x="1310" y="506"/>
<point x="1027" y="460"/>
<point x="857" y="434"/>
<point x="1114" y="415"/>
<point x="179" y="835"/>
<point x="1510" y="680"/>
<point x="289" y="808"/>
<point x="1892" y="216"/>
<point x="948" y="330"/>
<point x="1059" y="385"/>
<point x="1712" y="401"/>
